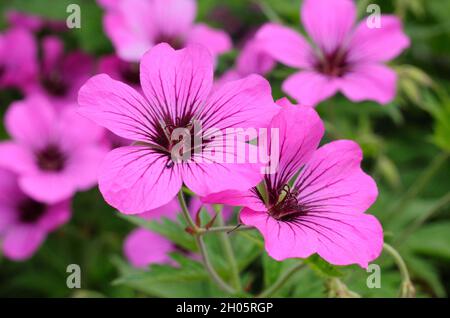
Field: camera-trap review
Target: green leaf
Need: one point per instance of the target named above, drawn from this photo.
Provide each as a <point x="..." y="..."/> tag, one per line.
<point x="322" y="267"/>
<point x="426" y="272"/>
<point x="432" y="240"/>
<point x="174" y="231"/>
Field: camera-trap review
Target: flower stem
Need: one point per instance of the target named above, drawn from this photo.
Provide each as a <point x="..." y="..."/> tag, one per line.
<point x="228" y="229"/>
<point x="186" y="213"/>
<point x="229" y="254"/>
<point x="407" y="288"/>
<point x="207" y="263"/>
<point x="280" y="281"/>
<point x="202" y="247"/>
<point x="419" y="184"/>
<point x="268" y="11"/>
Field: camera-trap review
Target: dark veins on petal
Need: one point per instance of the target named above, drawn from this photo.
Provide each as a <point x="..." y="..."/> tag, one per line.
<point x="30" y="211"/>
<point x="51" y="158"/>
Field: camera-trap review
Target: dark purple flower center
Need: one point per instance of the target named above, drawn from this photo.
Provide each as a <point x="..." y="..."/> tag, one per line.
<point x="130" y="72"/>
<point x="51" y="158"/>
<point x="284" y="205"/>
<point x="333" y="64"/>
<point x="174" y="41"/>
<point x="54" y="84"/>
<point x="2" y="70"/>
<point x="30" y="211"/>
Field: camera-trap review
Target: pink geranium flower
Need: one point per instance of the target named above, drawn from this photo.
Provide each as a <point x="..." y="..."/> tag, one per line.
<point x="177" y="86"/>
<point x="25" y="222"/>
<point x="342" y="58"/>
<point x="18" y="51"/>
<point x="143" y="247"/>
<point x="316" y="200"/>
<point x="61" y="74"/>
<point x="134" y="26"/>
<point x="54" y="153"/>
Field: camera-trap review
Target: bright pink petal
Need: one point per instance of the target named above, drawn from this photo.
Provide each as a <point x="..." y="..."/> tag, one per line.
<point x="143" y="247"/>
<point x="285" y="45"/>
<point x="253" y="59"/>
<point x="245" y="103"/>
<point x="135" y="179"/>
<point x="30" y="121"/>
<point x="378" y="44"/>
<point x="17" y="158"/>
<point x="48" y="187"/>
<point x="333" y="180"/>
<point x="237" y="198"/>
<point x="310" y="88"/>
<point x="115" y="106"/>
<point x="282" y="240"/>
<point x="173" y="17"/>
<point x="369" y="82"/>
<point x="169" y="210"/>
<point x="130" y="27"/>
<point x="55" y="216"/>
<point x="20" y="242"/>
<point x="176" y="82"/>
<point x="217" y="41"/>
<point x="84" y="165"/>
<point x="328" y="22"/>
<point x="344" y="239"/>
<point x="206" y="178"/>
<point x="304" y="123"/>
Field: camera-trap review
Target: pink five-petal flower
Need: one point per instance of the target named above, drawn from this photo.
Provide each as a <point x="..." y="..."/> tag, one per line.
<point x="322" y="210"/>
<point x="25" y="222"/>
<point x="343" y="57"/>
<point x="18" y="50"/>
<point x="61" y="74"/>
<point x="143" y="247"/>
<point x="134" y="26"/>
<point x="177" y="85"/>
<point x="54" y="153"/>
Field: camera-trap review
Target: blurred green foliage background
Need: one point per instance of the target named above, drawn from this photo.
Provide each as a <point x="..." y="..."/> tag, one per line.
<point x="406" y="147"/>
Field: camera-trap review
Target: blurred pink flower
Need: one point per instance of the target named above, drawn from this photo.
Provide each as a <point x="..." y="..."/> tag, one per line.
<point x="61" y="74"/>
<point x="177" y="86"/>
<point x="118" y="69"/>
<point x="18" y="51"/>
<point x="143" y="247"/>
<point x="322" y="211"/>
<point x="34" y="23"/>
<point x="251" y="60"/>
<point x="343" y="58"/>
<point x="25" y="222"/>
<point x="134" y="26"/>
<point x="54" y="153"/>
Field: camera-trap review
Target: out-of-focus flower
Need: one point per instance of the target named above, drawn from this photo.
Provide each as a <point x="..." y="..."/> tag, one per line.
<point x="25" y="222"/>
<point x="343" y="58"/>
<point x="34" y="23"/>
<point x="252" y="60"/>
<point x="143" y="247"/>
<point x="18" y="51"/>
<point x="177" y="87"/>
<point x="118" y="69"/>
<point x="61" y="74"/>
<point x="322" y="209"/>
<point x="134" y="26"/>
<point x="54" y="153"/>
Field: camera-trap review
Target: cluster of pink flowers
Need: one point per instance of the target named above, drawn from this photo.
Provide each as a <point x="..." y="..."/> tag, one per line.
<point x="161" y="79"/>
